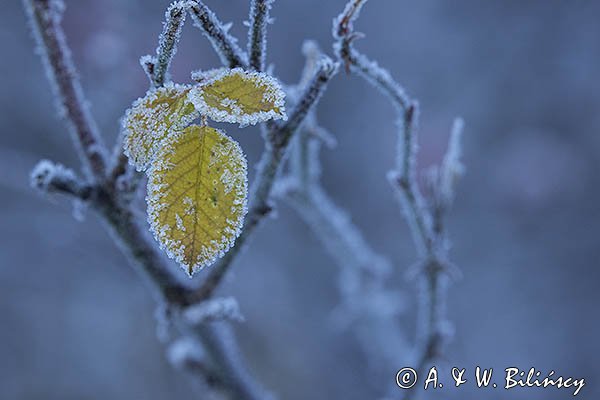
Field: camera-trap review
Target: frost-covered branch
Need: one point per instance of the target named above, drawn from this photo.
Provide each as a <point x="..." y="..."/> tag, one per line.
<point x="210" y="351"/>
<point x="122" y="175"/>
<point x="218" y="34"/>
<point x="167" y="43"/>
<point x="403" y="179"/>
<point x="367" y="305"/>
<point x="44" y="17"/>
<point x="423" y="216"/>
<point x="257" y="33"/>
<point x="49" y="177"/>
<point x="111" y="199"/>
<point x="222" y="308"/>
<point x="221" y="347"/>
<point x="278" y="138"/>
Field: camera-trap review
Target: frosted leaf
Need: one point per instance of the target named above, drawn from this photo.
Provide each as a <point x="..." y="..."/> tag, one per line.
<point x="201" y="76"/>
<point x="197" y="194"/>
<point x="238" y="96"/>
<point x="151" y="118"/>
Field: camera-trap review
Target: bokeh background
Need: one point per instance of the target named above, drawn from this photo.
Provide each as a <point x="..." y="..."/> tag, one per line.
<point x="77" y="323"/>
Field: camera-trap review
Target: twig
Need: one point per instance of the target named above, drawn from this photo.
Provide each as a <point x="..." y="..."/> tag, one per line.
<point x="109" y="199"/>
<point x="370" y="308"/>
<point x="44" y="16"/>
<point x="187" y="354"/>
<point x="219" y="343"/>
<point x="367" y="305"/>
<point x="167" y="42"/>
<point x="157" y="69"/>
<point x="49" y="177"/>
<point x="429" y="238"/>
<point x="215" y="309"/>
<point x="257" y="33"/>
<point x="278" y="139"/>
<point x="403" y="179"/>
<point x="224" y="44"/>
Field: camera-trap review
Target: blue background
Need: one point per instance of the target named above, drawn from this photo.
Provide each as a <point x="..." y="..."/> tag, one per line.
<point x="77" y="323"/>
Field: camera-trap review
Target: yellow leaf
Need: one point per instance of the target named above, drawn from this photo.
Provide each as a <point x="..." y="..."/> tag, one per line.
<point x="197" y="193"/>
<point x="238" y="96"/>
<point x="151" y="118"/>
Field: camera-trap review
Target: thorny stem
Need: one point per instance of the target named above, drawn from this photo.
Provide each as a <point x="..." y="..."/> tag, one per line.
<point x="45" y="16"/>
<point x="257" y="33"/>
<point x="278" y="140"/>
<point x="223" y="43"/>
<point x="430" y="242"/>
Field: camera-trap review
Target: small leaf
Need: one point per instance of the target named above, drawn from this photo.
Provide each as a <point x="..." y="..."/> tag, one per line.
<point x="197" y="193"/>
<point x="151" y="118"/>
<point x="238" y="96"/>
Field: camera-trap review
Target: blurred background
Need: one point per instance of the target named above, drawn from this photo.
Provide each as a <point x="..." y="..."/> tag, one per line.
<point x="76" y="322"/>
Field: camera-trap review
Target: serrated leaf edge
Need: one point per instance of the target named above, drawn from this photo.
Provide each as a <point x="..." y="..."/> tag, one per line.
<point x="195" y="96"/>
<point x="172" y="248"/>
<point x="151" y="95"/>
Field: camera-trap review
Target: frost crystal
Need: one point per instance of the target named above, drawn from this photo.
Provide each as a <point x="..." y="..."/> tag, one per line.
<point x="238" y="96"/>
<point x="184" y="351"/>
<point x="46" y="172"/>
<point x="151" y="118"/>
<point x="167" y="43"/>
<point x="214" y="309"/>
<point x="197" y="195"/>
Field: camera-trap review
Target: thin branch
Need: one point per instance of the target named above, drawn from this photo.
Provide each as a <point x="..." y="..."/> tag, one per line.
<point x="257" y="33"/>
<point x="278" y="140"/>
<point x="143" y="252"/>
<point x="157" y="69"/>
<point x="344" y="35"/>
<point x="215" y="309"/>
<point x="49" y="177"/>
<point x="167" y="42"/>
<point x="187" y="354"/>
<point x="430" y="240"/>
<point x="403" y="179"/>
<point x="45" y="16"/>
<point x="367" y="306"/>
<point x="224" y="44"/>
<point x="219" y="343"/>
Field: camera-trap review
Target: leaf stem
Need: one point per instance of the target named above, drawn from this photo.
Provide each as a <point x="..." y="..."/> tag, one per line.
<point x="278" y="140"/>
